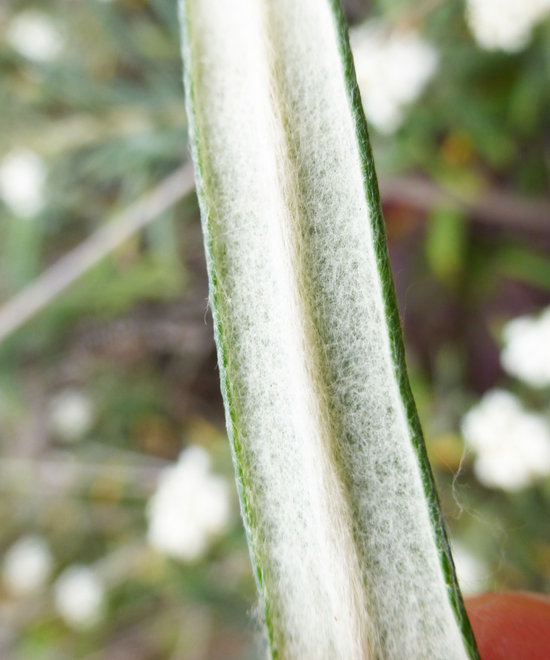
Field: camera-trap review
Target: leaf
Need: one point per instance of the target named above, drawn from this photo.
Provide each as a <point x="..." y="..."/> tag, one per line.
<point x="338" y="501"/>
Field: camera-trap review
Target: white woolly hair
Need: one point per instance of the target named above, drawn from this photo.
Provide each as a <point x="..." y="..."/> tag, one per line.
<point x="332" y="494"/>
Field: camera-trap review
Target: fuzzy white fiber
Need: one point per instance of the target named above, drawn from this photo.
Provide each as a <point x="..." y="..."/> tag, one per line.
<point x="332" y="495"/>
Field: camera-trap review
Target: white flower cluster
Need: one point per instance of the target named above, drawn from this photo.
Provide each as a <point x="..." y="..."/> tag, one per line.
<point x="71" y="414"/>
<point x="22" y="178"/>
<point x="190" y="506"/>
<point x="79" y="592"/>
<point x="526" y="352"/>
<point x="512" y="445"/>
<point x="34" y="35"/>
<point x="27" y="565"/>
<point x="392" y="70"/>
<point x="505" y="24"/>
<point x="79" y="596"/>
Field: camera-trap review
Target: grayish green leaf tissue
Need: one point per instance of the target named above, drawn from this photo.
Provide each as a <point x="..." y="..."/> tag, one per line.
<point x="345" y="533"/>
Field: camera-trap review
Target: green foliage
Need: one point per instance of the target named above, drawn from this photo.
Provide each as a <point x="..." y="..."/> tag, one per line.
<point x="445" y="244"/>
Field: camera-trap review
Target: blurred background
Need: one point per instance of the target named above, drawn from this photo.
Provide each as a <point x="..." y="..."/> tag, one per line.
<point x="120" y="533"/>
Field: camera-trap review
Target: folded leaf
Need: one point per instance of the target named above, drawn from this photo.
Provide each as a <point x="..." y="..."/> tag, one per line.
<point x="338" y="501"/>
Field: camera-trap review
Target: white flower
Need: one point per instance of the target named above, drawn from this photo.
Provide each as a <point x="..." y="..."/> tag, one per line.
<point x="504" y="24"/>
<point x="472" y="573"/>
<point x="27" y="565"/>
<point x="71" y="414"/>
<point x="526" y="352"/>
<point x="190" y="506"/>
<point x="392" y="70"/>
<point x="34" y="35"/>
<point x="512" y="445"/>
<point x="79" y="596"/>
<point x="22" y="176"/>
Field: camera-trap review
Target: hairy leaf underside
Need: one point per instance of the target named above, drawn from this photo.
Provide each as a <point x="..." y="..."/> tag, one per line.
<point x="350" y="555"/>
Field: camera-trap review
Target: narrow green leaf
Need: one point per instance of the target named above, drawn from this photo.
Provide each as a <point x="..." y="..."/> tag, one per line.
<point x="338" y="500"/>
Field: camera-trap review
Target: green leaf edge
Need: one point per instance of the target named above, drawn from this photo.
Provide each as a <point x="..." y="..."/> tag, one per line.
<point x="238" y="458"/>
<point x="396" y="336"/>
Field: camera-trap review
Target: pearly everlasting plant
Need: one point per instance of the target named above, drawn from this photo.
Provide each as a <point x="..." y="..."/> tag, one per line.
<point x="79" y="597"/>
<point x="27" y="565"/>
<point x="346" y="538"/>
<point x="22" y="182"/>
<point x="505" y="25"/>
<point x="526" y="352"/>
<point x="512" y="445"/>
<point x="190" y="507"/>
<point x="392" y="68"/>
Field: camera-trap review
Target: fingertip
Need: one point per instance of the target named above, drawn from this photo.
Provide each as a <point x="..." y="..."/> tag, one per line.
<point x="511" y="625"/>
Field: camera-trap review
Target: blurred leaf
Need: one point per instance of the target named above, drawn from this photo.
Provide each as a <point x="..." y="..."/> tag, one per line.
<point x="20" y="252"/>
<point x="445" y="243"/>
<point x="524" y="265"/>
